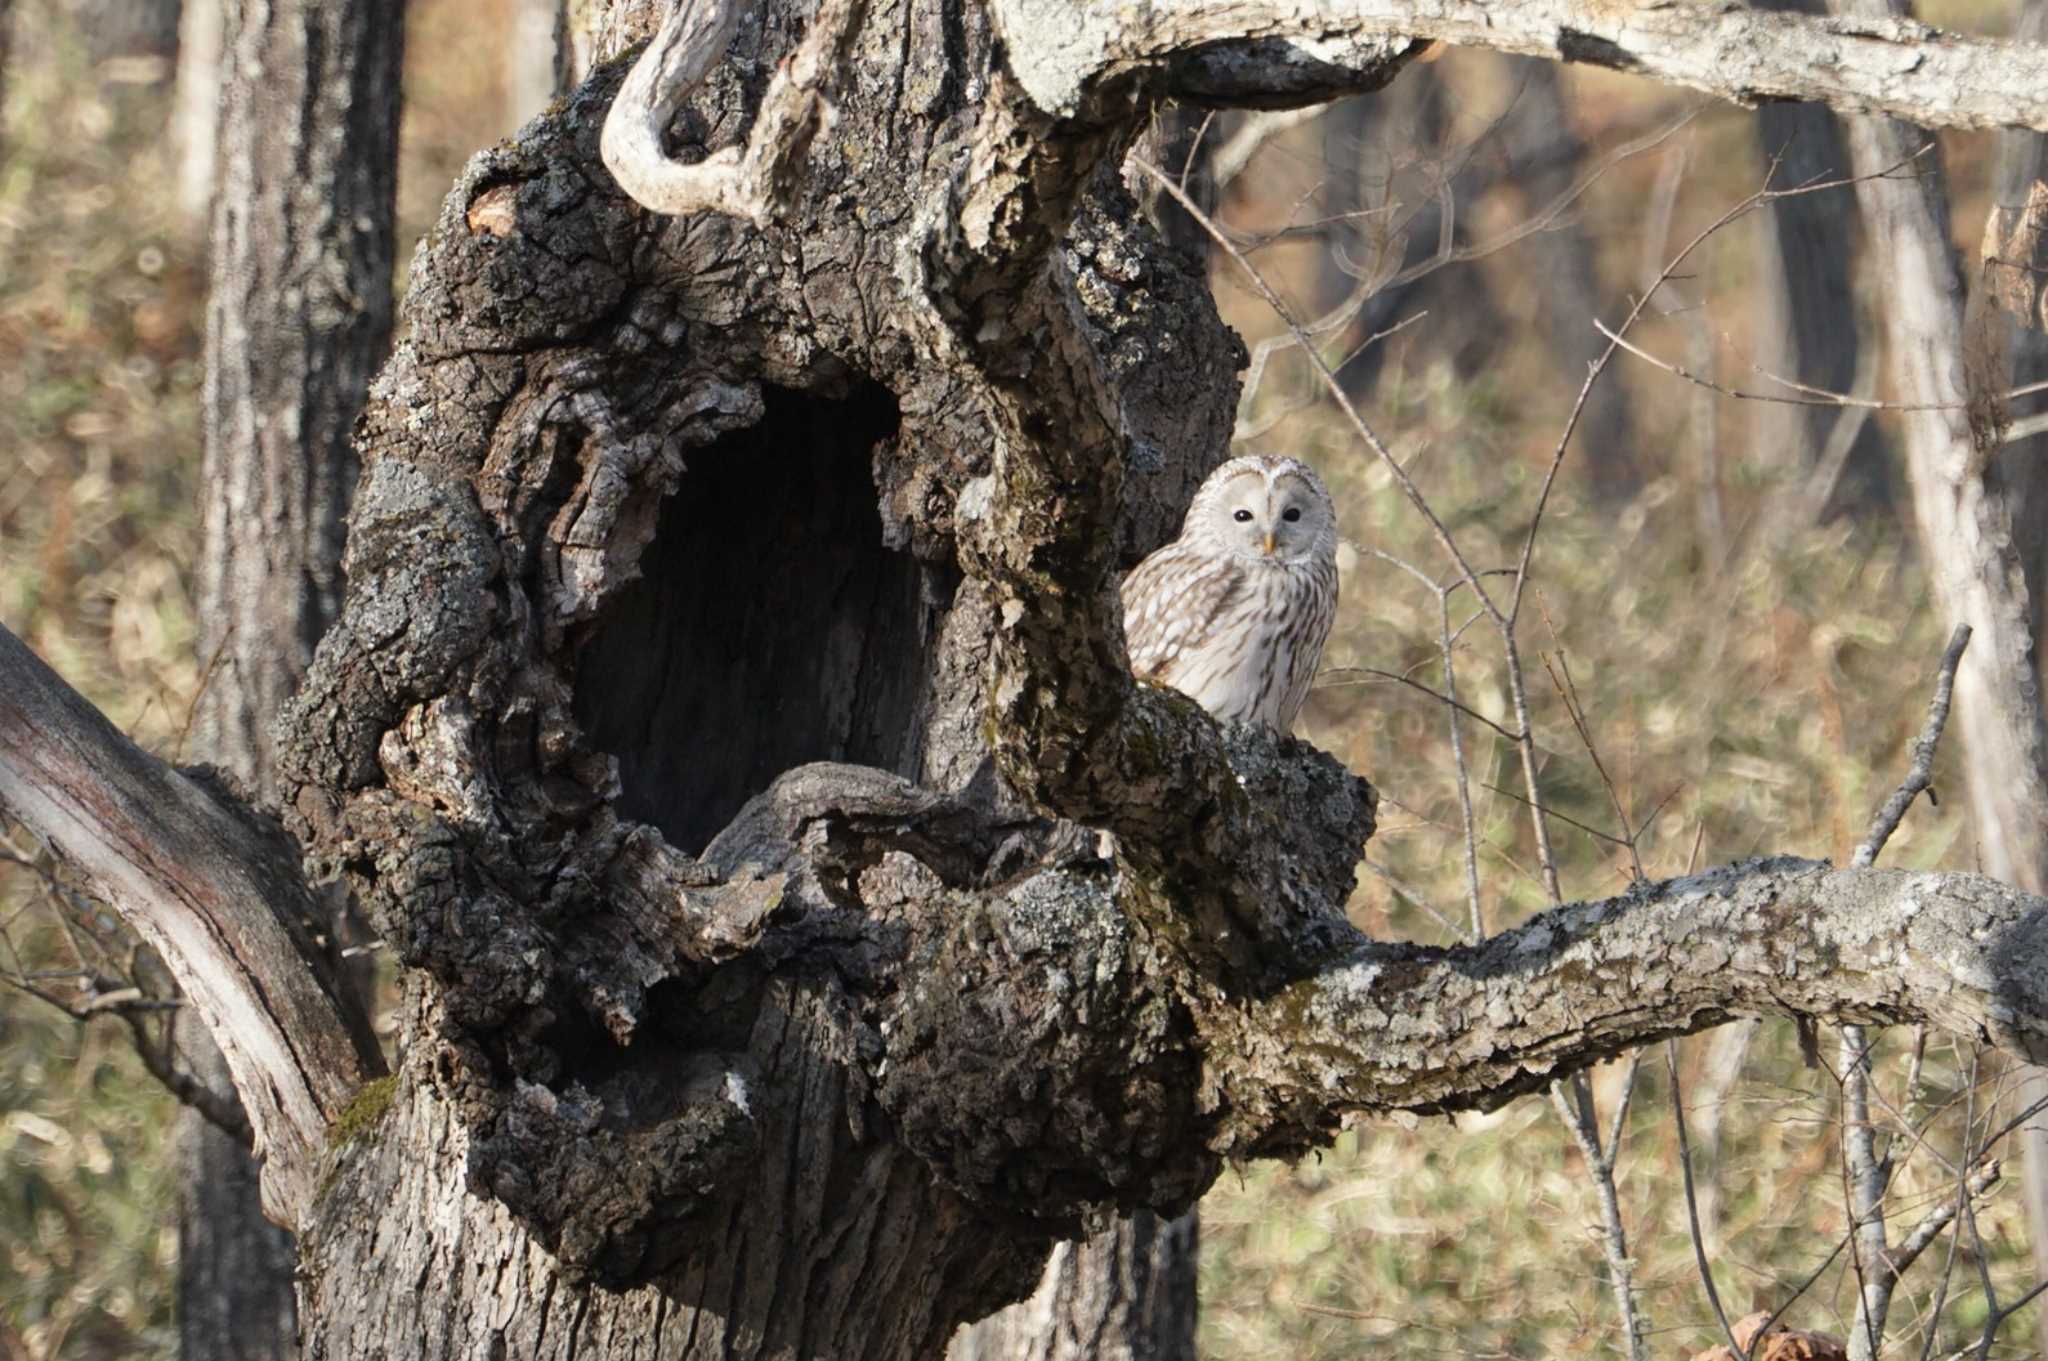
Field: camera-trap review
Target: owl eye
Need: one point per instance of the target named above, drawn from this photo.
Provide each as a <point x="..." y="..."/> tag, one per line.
<point x="1243" y="517"/>
<point x="1291" y="514"/>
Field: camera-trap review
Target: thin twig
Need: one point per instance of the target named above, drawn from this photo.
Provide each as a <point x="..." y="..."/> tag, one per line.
<point x="1692" y="1206"/>
<point x="1565" y="818"/>
<point x="1569" y="693"/>
<point x="1572" y="1098"/>
<point x="1413" y="895"/>
<point x="1948" y="1265"/>
<point x="1823" y="397"/>
<point x="1361" y="675"/>
<point x="1920" y="775"/>
<point x="1467" y="823"/>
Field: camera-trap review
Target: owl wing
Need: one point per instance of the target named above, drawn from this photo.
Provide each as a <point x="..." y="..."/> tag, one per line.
<point x="1173" y="601"/>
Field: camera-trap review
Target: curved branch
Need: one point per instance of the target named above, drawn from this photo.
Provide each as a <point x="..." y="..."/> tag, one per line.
<point x="215" y="891"/>
<point x="751" y="181"/>
<point x="1396" y="1027"/>
<point x="1295" y="51"/>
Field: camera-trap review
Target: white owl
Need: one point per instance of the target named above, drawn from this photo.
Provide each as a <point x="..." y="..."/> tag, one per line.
<point x="1234" y="613"/>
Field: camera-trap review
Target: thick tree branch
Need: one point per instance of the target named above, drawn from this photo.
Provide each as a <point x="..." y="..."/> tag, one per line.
<point x="215" y="891"/>
<point x="1409" y="1028"/>
<point x="1296" y="51"/>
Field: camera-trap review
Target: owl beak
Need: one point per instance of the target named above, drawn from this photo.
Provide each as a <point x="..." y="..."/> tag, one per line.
<point x="1269" y="543"/>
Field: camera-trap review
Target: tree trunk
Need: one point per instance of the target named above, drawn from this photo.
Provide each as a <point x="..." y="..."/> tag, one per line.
<point x="1978" y="505"/>
<point x="6" y="44"/>
<point x="1801" y="330"/>
<point x="195" y="111"/>
<point x="1126" y="1294"/>
<point x="1548" y="157"/>
<point x="693" y="484"/>
<point x="299" y="316"/>
<point x="122" y="28"/>
<point x="535" y="57"/>
<point x="682" y="695"/>
<point x="1403" y="134"/>
<point x="2017" y="235"/>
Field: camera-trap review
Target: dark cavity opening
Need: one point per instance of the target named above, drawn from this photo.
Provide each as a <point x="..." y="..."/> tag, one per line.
<point x="769" y="627"/>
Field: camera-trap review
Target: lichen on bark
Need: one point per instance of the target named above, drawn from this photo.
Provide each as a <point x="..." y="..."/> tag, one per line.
<point x="597" y="470"/>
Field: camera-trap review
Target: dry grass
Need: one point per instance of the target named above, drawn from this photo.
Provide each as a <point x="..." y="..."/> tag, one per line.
<point x="1748" y="693"/>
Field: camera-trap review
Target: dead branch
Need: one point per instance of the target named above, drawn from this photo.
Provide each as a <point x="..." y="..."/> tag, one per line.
<point x="1920" y="775"/>
<point x="214" y="890"/>
<point x="1282" y="52"/>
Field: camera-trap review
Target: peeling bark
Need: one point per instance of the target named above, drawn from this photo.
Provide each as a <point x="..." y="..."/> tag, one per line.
<point x="213" y="888"/>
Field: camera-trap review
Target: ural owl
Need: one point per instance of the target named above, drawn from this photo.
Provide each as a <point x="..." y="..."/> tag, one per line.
<point x="1234" y="613"/>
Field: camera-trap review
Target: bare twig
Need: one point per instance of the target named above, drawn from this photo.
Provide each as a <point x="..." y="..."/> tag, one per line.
<point x="1819" y="397"/>
<point x="1561" y="678"/>
<point x="1360" y="675"/>
<point x="1920" y="775"/>
<point x="1866" y="1176"/>
<point x="1692" y="1206"/>
<point x="1572" y="1099"/>
<point x="1467" y="823"/>
<point x="1409" y="892"/>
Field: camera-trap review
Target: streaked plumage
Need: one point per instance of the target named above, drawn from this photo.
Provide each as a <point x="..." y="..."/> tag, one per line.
<point x="1234" y="613"/>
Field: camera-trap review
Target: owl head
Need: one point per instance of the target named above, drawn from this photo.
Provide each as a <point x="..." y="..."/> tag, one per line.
<point x="1264" y="508"/>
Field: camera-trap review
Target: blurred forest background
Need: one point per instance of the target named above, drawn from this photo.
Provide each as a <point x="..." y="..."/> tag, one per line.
<point x="1726" y="592"/>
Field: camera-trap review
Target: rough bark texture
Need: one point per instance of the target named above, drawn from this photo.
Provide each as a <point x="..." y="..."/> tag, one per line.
<point x="1270" y="50"/>
<point x="788" y="968"/>
<point x="299" y="316"/>
<point x="789" y="370"/>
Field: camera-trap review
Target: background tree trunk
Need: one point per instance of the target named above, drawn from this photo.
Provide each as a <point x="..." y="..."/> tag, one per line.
<point x="298" y="318"/>
<point x="2022" y="476"/>
<point x="1126" y="1294"/>
<point x="535" y="58"/>
<point x="1979" y="504"/>
<point x="195" y="111"/>
<point x="121" y="28"/>
<point x="1800" y="328"/>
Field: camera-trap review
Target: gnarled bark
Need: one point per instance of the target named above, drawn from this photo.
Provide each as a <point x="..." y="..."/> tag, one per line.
<point x="806" y="918"/>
